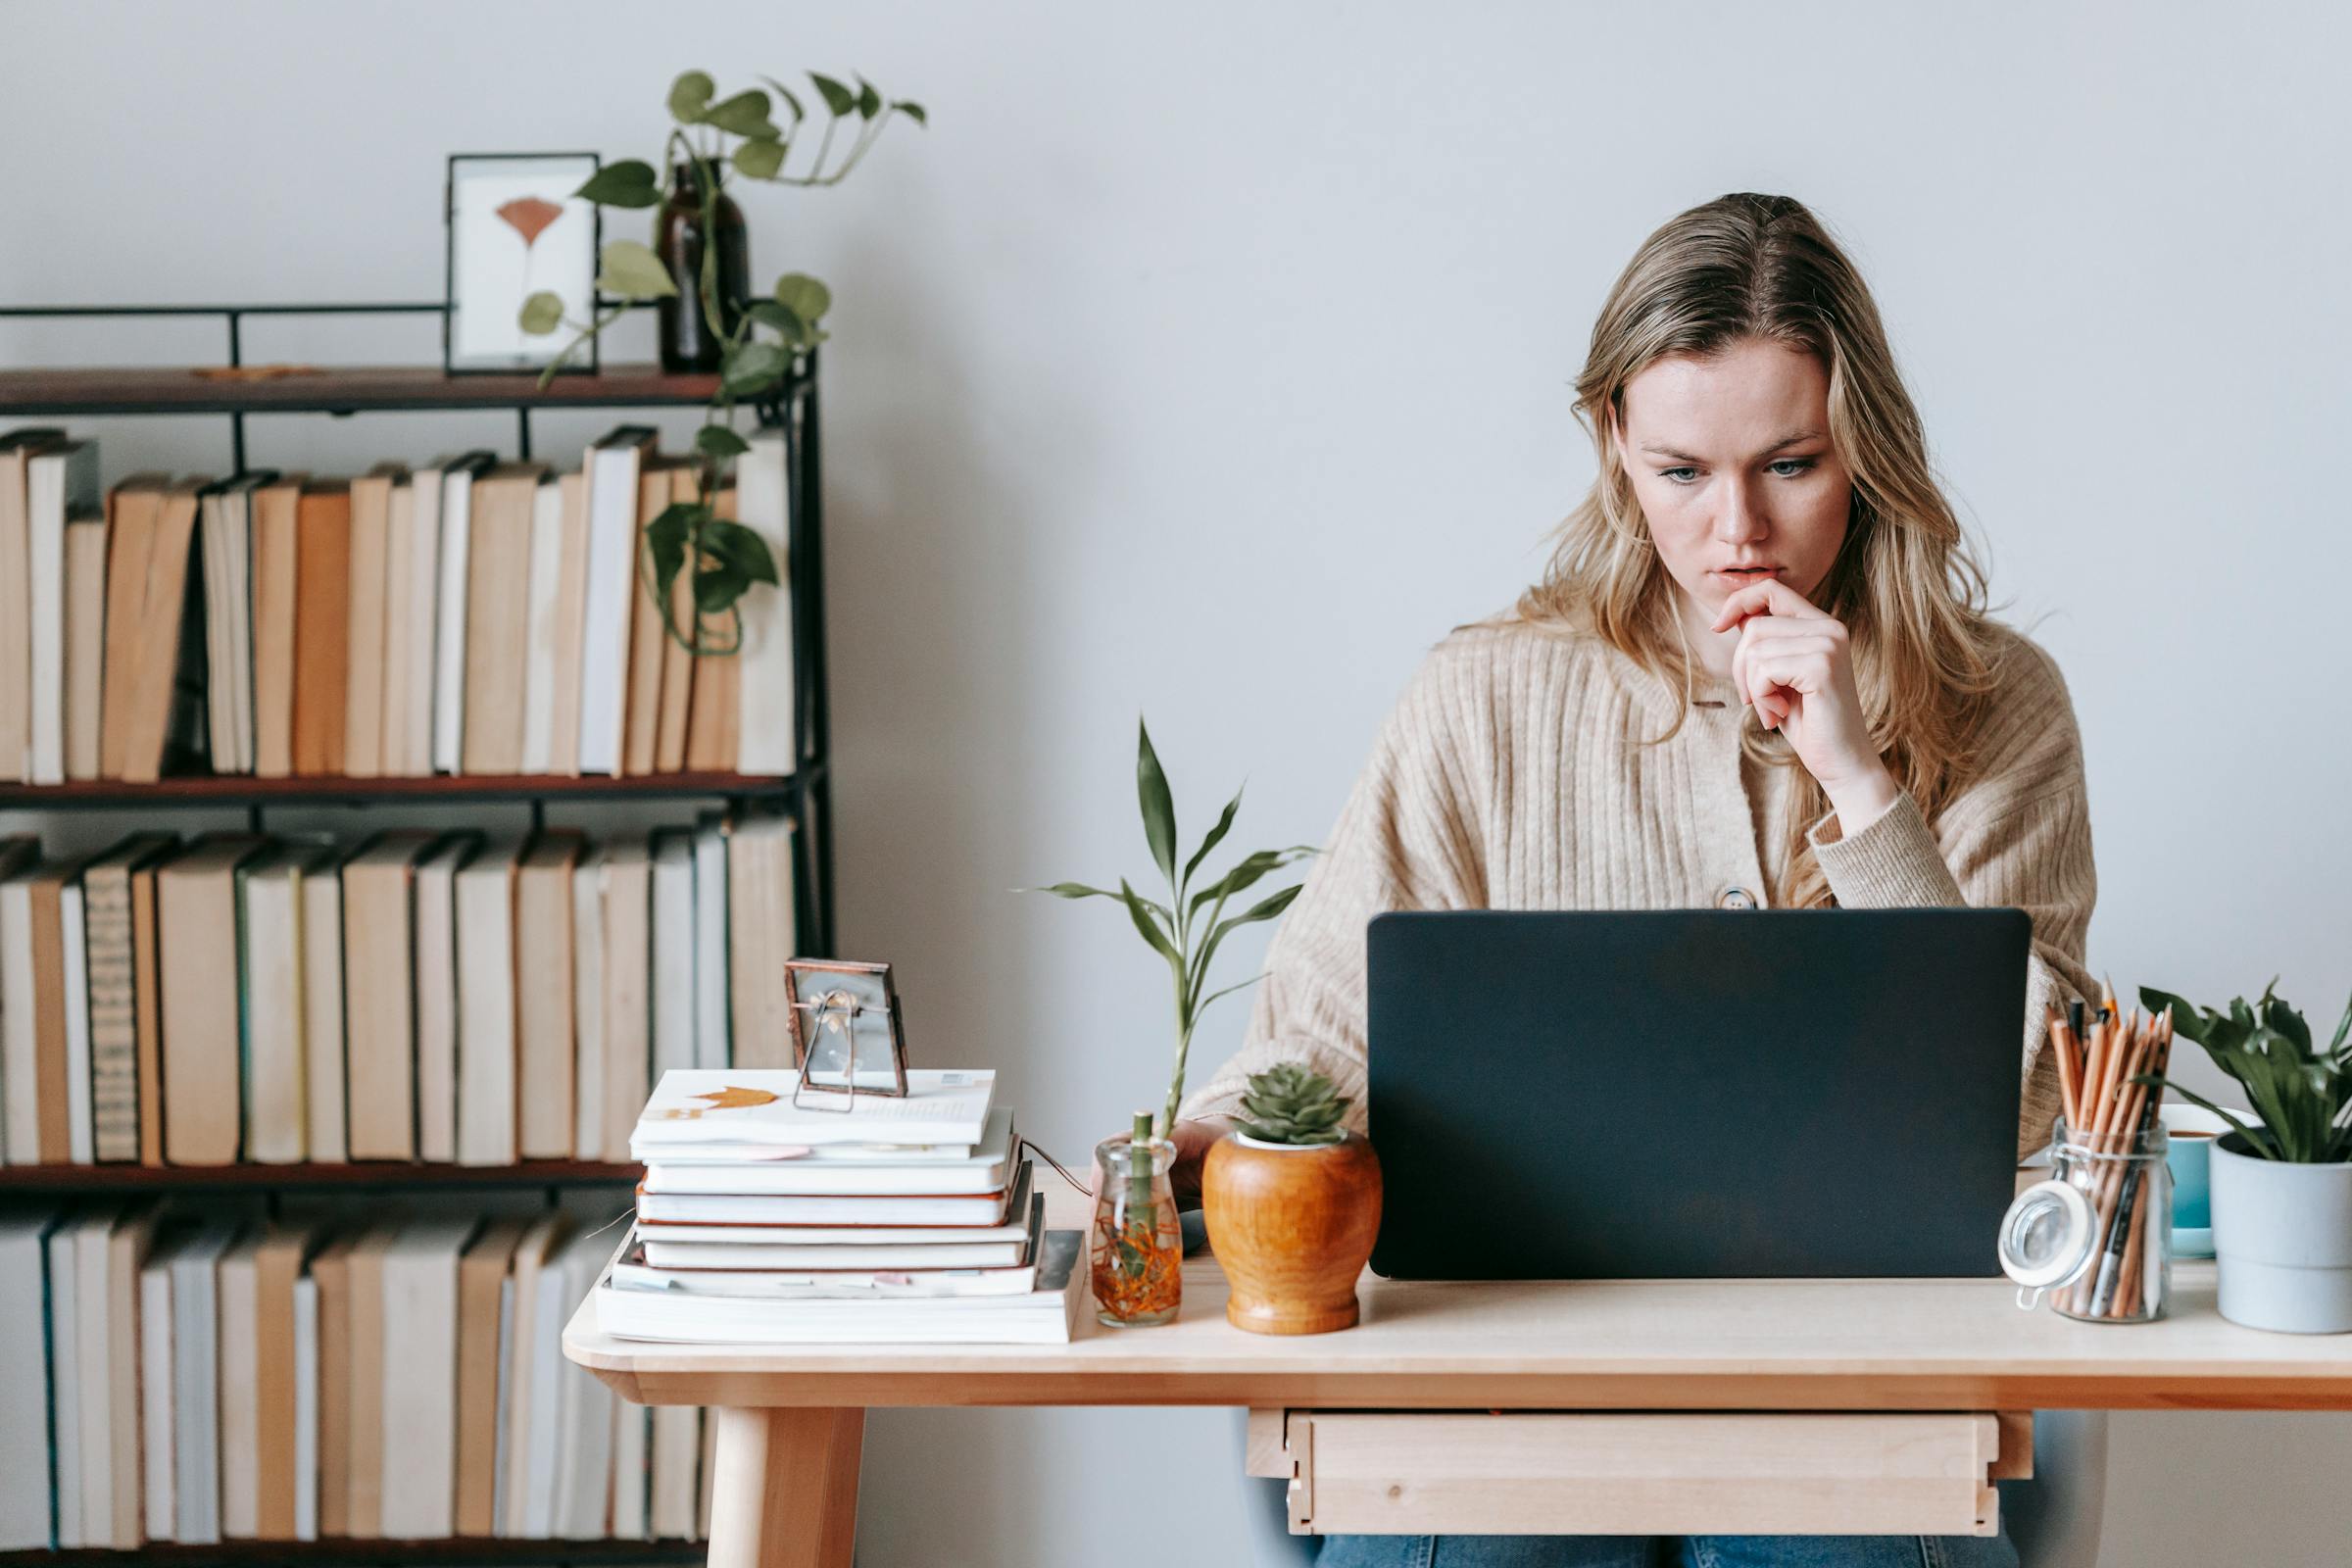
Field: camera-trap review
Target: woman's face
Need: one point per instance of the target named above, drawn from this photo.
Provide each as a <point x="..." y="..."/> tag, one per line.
<point x="1729" y="458"/>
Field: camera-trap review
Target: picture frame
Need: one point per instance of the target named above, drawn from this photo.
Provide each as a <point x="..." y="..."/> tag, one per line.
<point x="512" y="227"/>
<point x="844" y="1014"/>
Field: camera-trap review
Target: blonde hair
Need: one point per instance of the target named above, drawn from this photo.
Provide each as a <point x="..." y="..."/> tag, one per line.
<point x="1749" y="266"/>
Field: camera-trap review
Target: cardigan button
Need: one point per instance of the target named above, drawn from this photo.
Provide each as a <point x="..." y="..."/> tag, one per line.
<point x="1735" y="898"/>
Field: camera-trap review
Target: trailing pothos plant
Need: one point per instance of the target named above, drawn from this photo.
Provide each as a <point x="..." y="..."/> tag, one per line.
<point x="739" y="136"/>
<point x="1178" y="930"/>
<point x="2303" y="1095"/>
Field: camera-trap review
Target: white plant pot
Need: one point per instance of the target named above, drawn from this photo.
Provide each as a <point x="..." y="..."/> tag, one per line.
<point x="2283" y="1234"/>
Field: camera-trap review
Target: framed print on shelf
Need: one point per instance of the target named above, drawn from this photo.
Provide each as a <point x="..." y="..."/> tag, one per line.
<point x="516" y="230"/>
<point x="849" y="1033"/>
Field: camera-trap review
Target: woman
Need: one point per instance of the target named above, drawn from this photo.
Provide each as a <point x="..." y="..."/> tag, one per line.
<point x="1758" y="672"/>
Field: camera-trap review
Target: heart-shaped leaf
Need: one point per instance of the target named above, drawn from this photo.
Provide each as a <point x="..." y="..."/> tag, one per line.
<point x="739" y="547"/>
<point x="632" y="272"/>
<point x="791" y="99"/>
<point x="720" y="442"/>
<point x="743" y="115"/>
<point x="716" y="588"/>
<point x="690" y="95"/>
<point x="542" y="313"/>
<point x="870" y="102"/>
<point x="758" y="159"/>
<point x="794" y="331"/>
<point x="838" y="99"/>
<point x="753" y="366"/>
<point x="914" y="111"/>
<point x="628" y="183"/>
<point x="804" y="296"/>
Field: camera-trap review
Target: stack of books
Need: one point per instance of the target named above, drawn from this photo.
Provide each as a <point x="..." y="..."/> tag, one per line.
<point x="464" y="616"/>
<point x="841" y="1219"/>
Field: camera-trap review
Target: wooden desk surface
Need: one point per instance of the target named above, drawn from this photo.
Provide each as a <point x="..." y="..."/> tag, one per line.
<point x="1775" y="1344"/>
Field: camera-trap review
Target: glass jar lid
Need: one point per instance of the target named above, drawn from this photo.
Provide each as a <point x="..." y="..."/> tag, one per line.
<point x="2047" y="1239"/>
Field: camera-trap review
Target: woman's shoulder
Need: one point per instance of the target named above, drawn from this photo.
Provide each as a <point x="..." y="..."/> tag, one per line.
<point x="2023" y="670"/>
<point x="1500" y="645"/>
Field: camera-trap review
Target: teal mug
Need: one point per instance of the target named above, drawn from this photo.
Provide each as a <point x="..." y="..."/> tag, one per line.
<point x="2192" y="1130"/>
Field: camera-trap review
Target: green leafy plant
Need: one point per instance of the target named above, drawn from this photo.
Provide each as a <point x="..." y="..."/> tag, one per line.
<point x="1177" y="930"/>
<point x="1292" y="1103"/>
<point x="2301" y="1093"/>
<point x="738" y="136"/>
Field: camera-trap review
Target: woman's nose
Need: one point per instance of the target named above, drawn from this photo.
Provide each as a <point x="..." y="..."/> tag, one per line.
<point x="1740" y="521"/>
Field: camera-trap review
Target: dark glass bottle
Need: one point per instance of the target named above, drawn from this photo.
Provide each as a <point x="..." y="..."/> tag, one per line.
<point x="687" y="342"/>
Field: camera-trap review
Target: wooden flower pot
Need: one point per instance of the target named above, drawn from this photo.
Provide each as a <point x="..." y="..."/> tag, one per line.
<point x="1291" y="1227"/>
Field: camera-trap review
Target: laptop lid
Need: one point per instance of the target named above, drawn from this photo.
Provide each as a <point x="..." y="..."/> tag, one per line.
<point x="1694" y="1094"/>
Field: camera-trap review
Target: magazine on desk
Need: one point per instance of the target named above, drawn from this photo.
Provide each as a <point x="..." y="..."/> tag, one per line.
<point x="693" y="1109"/>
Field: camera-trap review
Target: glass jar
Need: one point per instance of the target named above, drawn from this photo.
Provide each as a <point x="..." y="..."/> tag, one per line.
<point x="686" y="340"/>
<point x="1135" y="1251"/>
<point x="2098" y="1235"/>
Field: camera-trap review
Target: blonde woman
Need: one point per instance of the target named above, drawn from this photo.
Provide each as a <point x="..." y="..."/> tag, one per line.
<point x="1759" y="672"/>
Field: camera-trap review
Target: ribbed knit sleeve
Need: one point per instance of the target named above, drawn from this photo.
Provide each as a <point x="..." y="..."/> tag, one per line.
<point x="2018" y="836"/>
<point x="1408" y="838"/>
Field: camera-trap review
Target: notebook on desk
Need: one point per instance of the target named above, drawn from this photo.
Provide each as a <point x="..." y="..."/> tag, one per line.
<point x="1694" y="1094"/>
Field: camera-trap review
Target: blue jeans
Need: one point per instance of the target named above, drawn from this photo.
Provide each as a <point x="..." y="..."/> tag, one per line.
<point x="1668" y="1551"/>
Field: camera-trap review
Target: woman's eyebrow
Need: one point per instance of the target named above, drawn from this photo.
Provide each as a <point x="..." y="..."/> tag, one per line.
<point x="1784" y="441"/>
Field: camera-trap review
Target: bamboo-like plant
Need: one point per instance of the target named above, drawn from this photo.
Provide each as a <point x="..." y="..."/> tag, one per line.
<point x="726" y="558"/>
<point x="1177" y="930"/>
<point x="2303" y="1096"/>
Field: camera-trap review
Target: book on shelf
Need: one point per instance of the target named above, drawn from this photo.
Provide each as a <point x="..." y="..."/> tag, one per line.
<point x="60" y="484"/>
<point x="484" y="1023"/>
<point x="437" y="956"/>
<point x="322" y="549"/>
<point x="460" y="483"/>
<point x="277" y="540"/>
<point x="17" y="448"/>
<point x="370" y="597"/>
<point x="225" y="533"/>
<point x="203" y="1011"/>
<point x="85" y="642"/>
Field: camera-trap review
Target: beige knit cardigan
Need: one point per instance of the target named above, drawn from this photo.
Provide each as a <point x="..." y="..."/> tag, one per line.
<point x="1515" y="774"/>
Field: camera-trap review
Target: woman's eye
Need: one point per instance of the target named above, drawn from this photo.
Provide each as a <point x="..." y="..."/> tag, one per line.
<point x="1798" y="464"/>
<point x="1670" y="473"/>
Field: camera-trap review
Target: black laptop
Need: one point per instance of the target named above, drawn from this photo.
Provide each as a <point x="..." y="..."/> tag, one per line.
<point x="1694" y="1094"/>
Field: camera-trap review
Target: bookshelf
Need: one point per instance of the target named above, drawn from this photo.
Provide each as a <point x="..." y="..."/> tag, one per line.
<point x="34" y="394"/>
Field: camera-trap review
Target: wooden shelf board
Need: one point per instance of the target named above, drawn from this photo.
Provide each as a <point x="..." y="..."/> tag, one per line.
<point x="371" y="1174"/>
<point x="334" y="389"/>
<point x="239" y="789"/>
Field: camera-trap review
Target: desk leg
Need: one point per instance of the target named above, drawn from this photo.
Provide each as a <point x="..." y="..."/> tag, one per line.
<point x="784" y="1493"/>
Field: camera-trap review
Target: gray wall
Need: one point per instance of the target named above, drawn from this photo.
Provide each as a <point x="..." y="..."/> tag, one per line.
<point x="1212" y="361"/>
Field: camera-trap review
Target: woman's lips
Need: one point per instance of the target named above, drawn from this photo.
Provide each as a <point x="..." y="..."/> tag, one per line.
<point x="1746" y="574"/>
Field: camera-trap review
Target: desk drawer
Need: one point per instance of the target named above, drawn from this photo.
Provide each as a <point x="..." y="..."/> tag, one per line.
<point x="1669" y="1473"/>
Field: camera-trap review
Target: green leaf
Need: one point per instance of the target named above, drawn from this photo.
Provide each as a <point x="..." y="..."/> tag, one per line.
<point x="720" y="441"/>
<point x="804" y="296"/>
<point x="743" y="115"/>
<point x="791" y="99"/>
<point x="628" y="183"/>
<point x="2188" y="1020"/>
<point x="1201" y="1007"/>
<point x="753" y="366"/>
<point x="758" y="159"/>
<point x="665" y="542"/>
<point x="915" y="111"/>
<point x="790" y="327"/>
<point x="1246" y="872"/>
<point x="632" y="272"/>
<point x="1071" y="890"/>
<point x="1160" y="807"/>
<point x="1216" y="836"/>
<point x="542" y="313"/>
<point x="689" y="96"/>
<point x="1267" y="909"/>
<point x="870" y="102"/>
<point x="739" y="549"/>
<point x="1145" y="923"/>
<point x="716" y="588"/>
<point x="838" y="99"/>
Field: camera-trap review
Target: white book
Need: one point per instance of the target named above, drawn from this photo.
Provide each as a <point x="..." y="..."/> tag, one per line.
<point x="61" y="481"/>
<point x="449" y="622"/>
<point x="714" y="1045"/>
<point x="612" y="468"/>
<point x="196" y="1382"/>
<point x="64" y="1380"/>
<point x="539" y="626"/>
<point x="632" y="1271"/>
<point x="92" y="1386"/>
<point x="837" y="1248"/>
<point x="225" y="518"/>
<point x="323" y="1077"/>
<point x="1047" y="1315"/>
<point x="584" y="1479"/>
<point x="987" y="1169"/>
<point x="239" y="1396"/>
<point x="306" y="1408"/>
<point x="588" y="1005"/>
<point x="632" y="1443"/>
<point x="691" y="1107"/>
<point x="674" y="987"/>
<point x="543" y="1444"/>
<point x="421" y="1376"/>
<point x="767" y="697"/>
<point x="20" y="1101"/>
<point x="526" y="1426"/>
<point x="505" y="1405"/>
<point x="436" y="990"/>
<point x="277" y="1054"/>
<point x="24" y="1372"/>
<point x="71" y="913"/>
<point x="427" y="487"/>
<point x="486" y="1032"/>
<point x="157" y="1381"/>
<point x="807" y="1208"/>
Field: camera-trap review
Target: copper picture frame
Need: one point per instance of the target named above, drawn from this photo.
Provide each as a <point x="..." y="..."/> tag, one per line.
<point x="849" y="1036"/>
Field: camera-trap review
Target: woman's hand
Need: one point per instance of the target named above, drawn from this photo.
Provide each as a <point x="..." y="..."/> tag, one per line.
<point x="1795" y="667"/>
<point x="1194" y="1140"/>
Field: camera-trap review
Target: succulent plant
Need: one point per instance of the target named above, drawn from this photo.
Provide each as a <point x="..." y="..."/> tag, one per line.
<point x="1289" y="1104"/>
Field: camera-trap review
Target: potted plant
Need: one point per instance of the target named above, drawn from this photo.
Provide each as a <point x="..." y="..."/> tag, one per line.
<point x="1135" y="1240"/>
<point x="1292" y="1202"/>
<point x="2282" y="1187"/>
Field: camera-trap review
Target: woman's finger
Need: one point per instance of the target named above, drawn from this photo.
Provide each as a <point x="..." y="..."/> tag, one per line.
<point x="1771" y="597"/>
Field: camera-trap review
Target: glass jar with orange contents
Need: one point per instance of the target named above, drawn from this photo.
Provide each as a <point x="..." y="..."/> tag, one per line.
<point x="1135" y="1248"/>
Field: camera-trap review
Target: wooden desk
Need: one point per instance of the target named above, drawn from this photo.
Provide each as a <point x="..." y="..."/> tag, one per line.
<point x="790" y="1420"/>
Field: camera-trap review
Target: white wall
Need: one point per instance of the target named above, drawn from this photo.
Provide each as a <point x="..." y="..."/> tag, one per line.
<point x="1212" y="361"/>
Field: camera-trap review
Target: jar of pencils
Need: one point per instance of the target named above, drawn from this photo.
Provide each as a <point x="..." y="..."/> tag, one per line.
<point x="2100" y="1230"/>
